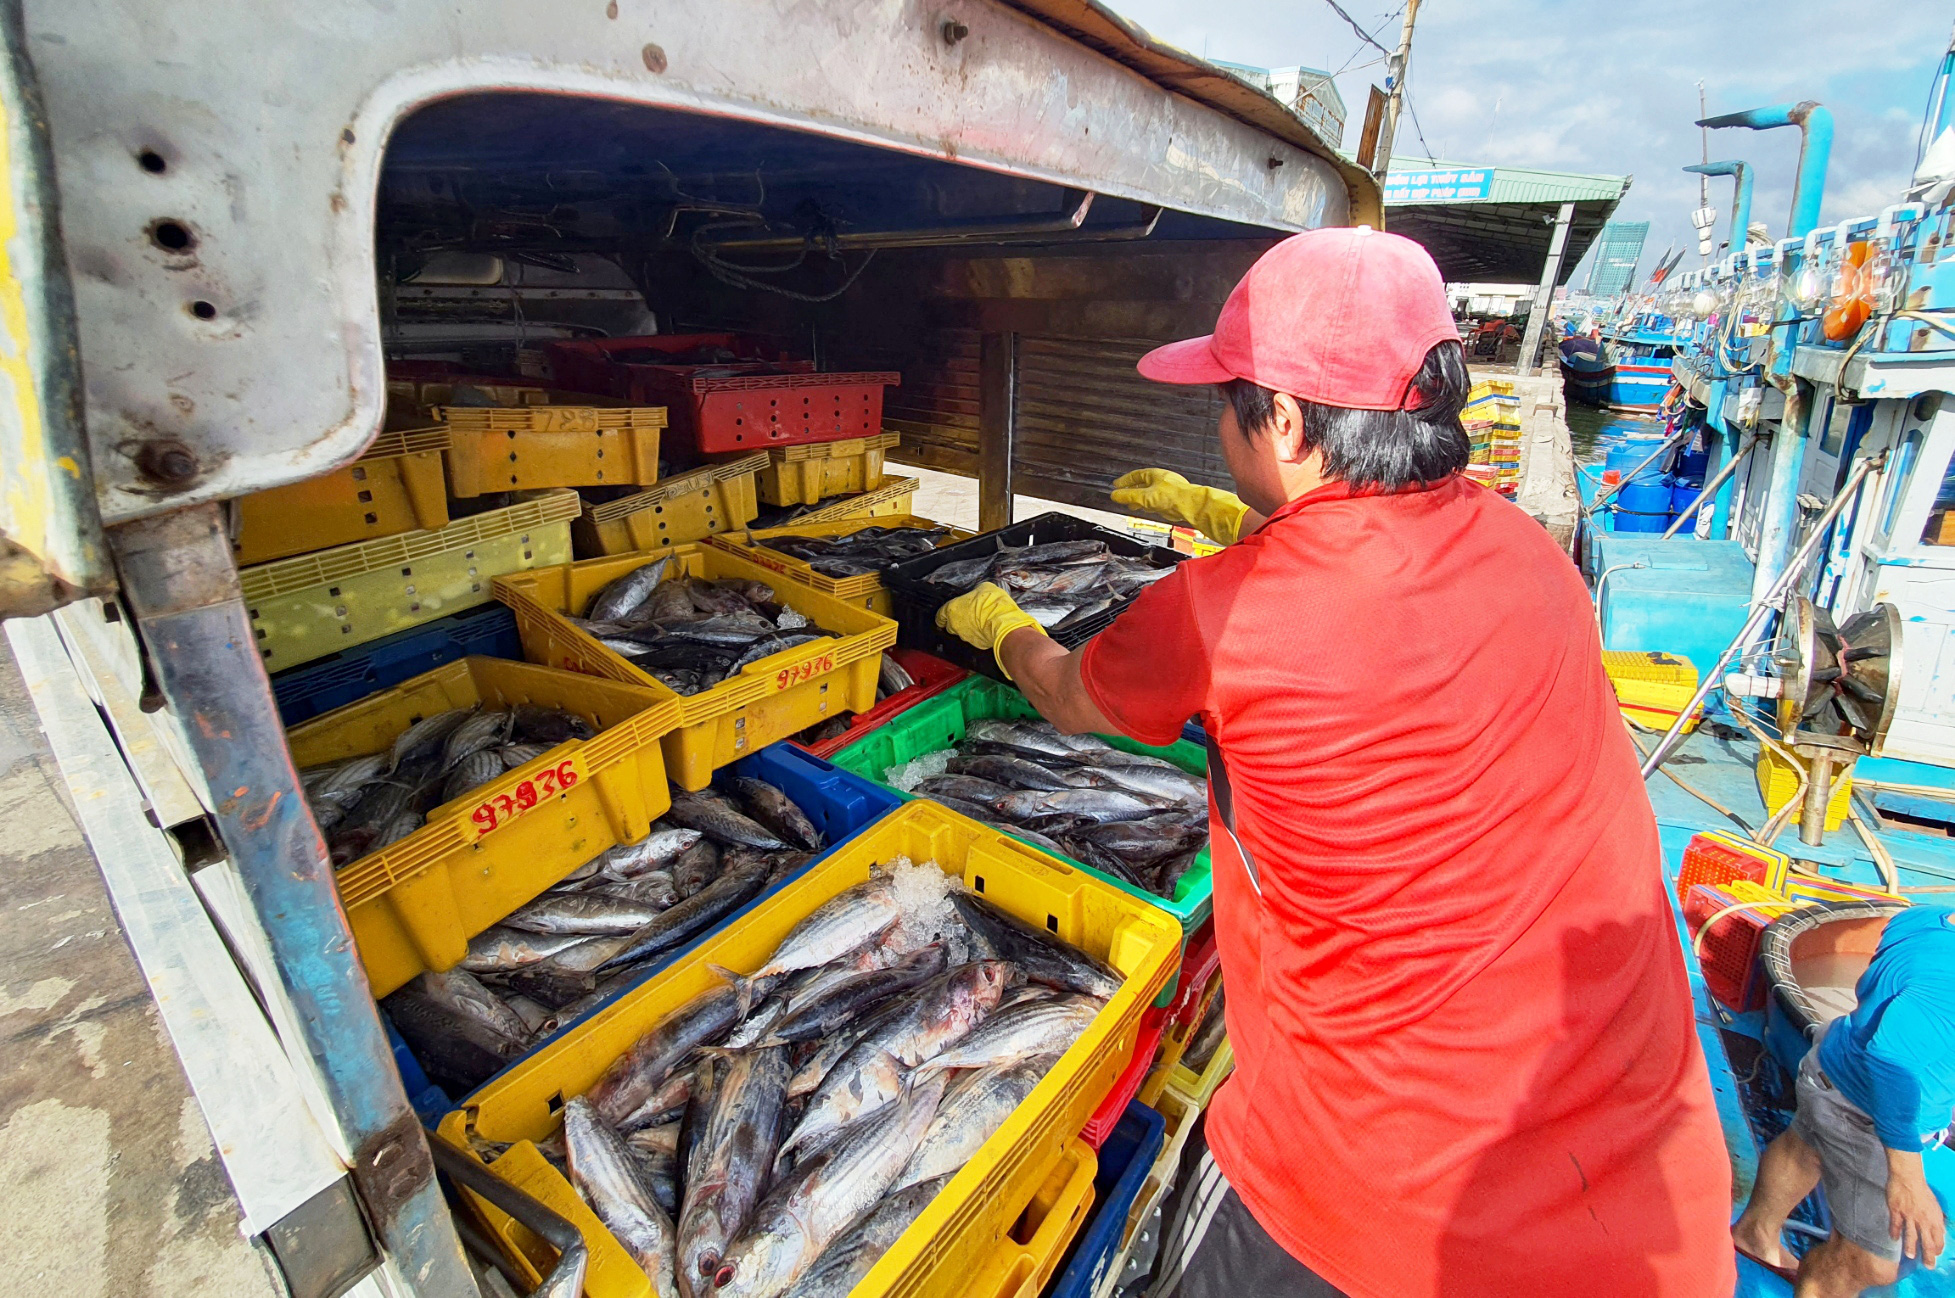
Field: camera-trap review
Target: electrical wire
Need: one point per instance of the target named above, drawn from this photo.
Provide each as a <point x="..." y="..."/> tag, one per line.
<point x="1371" y="41"/>
<point x="1363" y="35"/>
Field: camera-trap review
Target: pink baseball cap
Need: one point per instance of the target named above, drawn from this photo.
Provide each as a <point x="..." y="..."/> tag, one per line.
<point x="1341" y="317"/>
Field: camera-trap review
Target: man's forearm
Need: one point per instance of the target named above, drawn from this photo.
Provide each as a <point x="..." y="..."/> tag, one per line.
<point x="1049" y="676"/>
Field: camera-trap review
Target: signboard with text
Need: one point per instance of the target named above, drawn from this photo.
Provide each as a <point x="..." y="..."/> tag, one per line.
<point x="1453" y="186"/>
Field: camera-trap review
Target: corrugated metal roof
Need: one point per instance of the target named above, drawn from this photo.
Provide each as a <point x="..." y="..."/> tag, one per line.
<point x="1510" y="184"/>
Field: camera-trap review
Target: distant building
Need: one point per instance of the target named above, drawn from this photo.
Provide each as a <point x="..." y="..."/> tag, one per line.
<point x="1617" y="250"/>
<point x="1310" y="91"/>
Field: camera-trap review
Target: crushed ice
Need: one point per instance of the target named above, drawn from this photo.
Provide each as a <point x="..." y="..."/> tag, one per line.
<point x="907" y="775"/>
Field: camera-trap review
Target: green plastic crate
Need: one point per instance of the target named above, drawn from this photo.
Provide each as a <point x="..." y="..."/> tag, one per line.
<point x="940" y="722"/>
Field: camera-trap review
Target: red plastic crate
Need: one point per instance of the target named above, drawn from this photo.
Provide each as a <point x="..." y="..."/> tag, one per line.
<point x="1729" y="952"/>
<point x="1107" y="1116"/>
<point x="1716" y="858"/>
<point x="1199" y="962"/>
<point x="752" y="402"/>
<point x="932" y="675"/>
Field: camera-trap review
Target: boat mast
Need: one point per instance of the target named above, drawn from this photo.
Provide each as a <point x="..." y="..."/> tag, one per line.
<point x="1395" y="81"/>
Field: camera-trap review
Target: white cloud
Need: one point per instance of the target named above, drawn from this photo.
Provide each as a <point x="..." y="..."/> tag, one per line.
<point x="1612" y="89"/>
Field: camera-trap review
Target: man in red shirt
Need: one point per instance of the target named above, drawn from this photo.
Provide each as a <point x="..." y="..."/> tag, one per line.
<point x="1465" y="1057"/>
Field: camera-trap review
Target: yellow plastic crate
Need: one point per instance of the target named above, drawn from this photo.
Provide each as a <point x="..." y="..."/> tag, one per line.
<point x="1023" y="1262"/>
<point x="1201" y="1087"/>
<point x="1180" y="1113"/>
<point x="395" y="487"/>
<point x="802" y="475"/>
<point x="891" y="499"/>
<point x="414" y="905"/>
<point x="1652" y="687"/>
<point x="865" y="591"/>
<point x="311" y="605"/>
<point x="524" y="448"/>
<point x="1174" y="1044"/>
<point x="1778" y="782"/>
<point x="769" y="700"/>
<point x="961" y="1230"/>
<point x="690" y="507"/>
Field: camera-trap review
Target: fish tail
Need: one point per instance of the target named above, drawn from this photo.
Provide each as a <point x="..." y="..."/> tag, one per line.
<point x="742" y="985"/>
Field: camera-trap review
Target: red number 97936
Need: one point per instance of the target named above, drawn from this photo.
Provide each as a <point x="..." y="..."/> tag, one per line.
<point x="493" y="813"/>
<point x="806" y="671"/>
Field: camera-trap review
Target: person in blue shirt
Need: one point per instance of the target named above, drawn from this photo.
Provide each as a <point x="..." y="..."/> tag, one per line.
<point x="1875" y="1088"/>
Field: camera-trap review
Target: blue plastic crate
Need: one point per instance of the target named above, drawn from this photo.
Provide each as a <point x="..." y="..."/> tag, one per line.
<point x="1125" y="1160"/>
<point x="429" y="1101"/>
<point x="318" y="687"/>
<point x="840" y="803"/>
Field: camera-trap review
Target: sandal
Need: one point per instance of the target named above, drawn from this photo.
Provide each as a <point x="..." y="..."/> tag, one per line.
<point x="1789" y="1273"/>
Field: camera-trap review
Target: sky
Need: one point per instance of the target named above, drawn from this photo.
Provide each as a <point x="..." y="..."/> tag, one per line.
<point x="1609" y="88"/>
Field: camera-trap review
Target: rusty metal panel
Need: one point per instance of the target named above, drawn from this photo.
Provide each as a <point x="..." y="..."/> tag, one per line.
<point x="51" y="547"/>
<point x="221" y="163"/>
<point x="1086" y="416"/>
<point x="936" y="408"/>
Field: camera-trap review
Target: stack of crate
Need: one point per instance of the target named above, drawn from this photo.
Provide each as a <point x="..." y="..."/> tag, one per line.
<point x="1493" y="423"/>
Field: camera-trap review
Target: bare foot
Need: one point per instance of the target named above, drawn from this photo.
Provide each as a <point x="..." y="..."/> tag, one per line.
<point x="1768" y="1249"/>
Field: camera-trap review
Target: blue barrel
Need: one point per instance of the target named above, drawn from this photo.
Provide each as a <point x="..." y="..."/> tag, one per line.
<point x="1683" y="496"/>
<point x="1643" y="506"/>
<point x="1629" y="453"/>
<point x="1693" y="464"/>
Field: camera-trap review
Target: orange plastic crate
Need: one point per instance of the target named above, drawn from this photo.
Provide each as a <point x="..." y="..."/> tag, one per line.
<point x="1729" y="951"/>
<point x="1716" y="858"/>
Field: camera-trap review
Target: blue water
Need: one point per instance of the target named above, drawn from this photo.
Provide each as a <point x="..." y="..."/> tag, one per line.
<point x="1594" y="431"/>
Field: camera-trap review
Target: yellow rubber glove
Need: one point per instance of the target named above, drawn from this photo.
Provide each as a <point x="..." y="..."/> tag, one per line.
<point x="1166" y="494"/>
<point x="984" y="616"/>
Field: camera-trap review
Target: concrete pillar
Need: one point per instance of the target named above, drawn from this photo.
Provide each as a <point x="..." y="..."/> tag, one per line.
<point x="1537" y="319"/>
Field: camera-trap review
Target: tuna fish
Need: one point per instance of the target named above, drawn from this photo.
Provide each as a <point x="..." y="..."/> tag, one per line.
<point x="605" y="1173"/>
<point x="728" y="1171"/>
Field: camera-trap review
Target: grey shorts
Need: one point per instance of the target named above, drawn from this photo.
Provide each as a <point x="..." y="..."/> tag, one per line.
<point x="1852" y="1161"/>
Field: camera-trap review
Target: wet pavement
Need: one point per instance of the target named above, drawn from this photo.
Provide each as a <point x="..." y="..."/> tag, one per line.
<point x="108" y="1181"/>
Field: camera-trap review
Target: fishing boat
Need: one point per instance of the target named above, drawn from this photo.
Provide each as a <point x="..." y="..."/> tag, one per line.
<point x="1626" y="368"/>
<point x="1791" y="642"/>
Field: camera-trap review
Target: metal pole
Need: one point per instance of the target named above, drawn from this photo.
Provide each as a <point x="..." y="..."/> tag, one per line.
<point x="1765" y="607"/>
<point x="1537" y="318"/>
<point x="182" y="585"/>
<point x="997" y="427"/>
<point x="1779" y="523"/>
<point x="1395" y="69"/>
<point x="1710" y="488"/>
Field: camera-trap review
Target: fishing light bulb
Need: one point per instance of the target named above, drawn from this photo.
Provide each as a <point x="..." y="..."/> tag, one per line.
<point x="1703" y="304"/>
<point x="1809" y="287"/>
<point x="1885" y="279"/>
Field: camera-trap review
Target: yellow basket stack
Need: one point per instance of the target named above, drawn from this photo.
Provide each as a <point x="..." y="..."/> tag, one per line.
<point x="396" y="486"/>
<point x="1492" y="419"/>
<point x="769" y="700"/>
<point x="1652" y="687"/>
<point x="690" y="507"/>
<point x="806" y="474"/>
<point x="1778" y="784"/>
<point x="529" y="448"/>
<point x="887" y="501"/>
<point x="414" y="905"/>
<point x="310" y="605"/>
<point x="977" y="1236"/>
<point x="865" y="591"/>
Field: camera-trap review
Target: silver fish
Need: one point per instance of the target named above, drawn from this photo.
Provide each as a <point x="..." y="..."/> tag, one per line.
<point x="695" y="867"/>
<point x="483" y="730"/>
<point x="343" y="782"/>
<point x="397" y="828"/>
<point x="778" y="812"/>
<point x="843" y="1263"/>
<point x="1015" y="772"/>
<point x="1039" y="955"/>
<point x="850" y="919"/>
<point x="724" y="1180"/>
<point x="966" y="788"/>
<point x="515" y="755"/>
<point x="1047" y="1026"/>
<point x="771" y="645"/>
<point x="891" y="678"/>
<point x="460" y="991"/>
<point x="1094" y="804"/>
<point x="500" y="949"/>
<point x="718" y="818"/>
<point x="637" y="1074"/>
<point x="662" y="845"/>
<point x="426" y="735"/>
<point x="626" y="593"/>
<point x="940" y="1013"/>
<point x="537" y="1020"/>
<point x="811" y="1209"/>
<point x="973" y="1109"/>
<point x="652" y="888"/>
<point x="604" y="1172"/>
<point x="832" y="1003"/>
<point x="472" y="772"/>
<point x="589" y="913"/>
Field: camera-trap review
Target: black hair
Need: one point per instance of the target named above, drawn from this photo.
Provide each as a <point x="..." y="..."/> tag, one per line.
<point x="1384" y="450"/>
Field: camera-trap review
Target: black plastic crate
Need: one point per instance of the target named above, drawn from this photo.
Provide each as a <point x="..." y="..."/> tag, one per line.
<point x="914" y="601"/>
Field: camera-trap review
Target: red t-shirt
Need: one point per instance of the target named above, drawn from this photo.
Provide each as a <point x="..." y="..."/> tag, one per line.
<point x="1466" y="1062"/>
